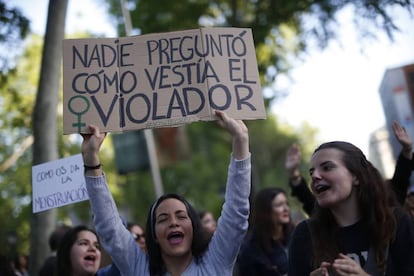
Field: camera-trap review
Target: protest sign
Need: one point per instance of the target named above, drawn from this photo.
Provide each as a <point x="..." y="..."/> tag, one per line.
<point x="160" y="80"/>
<point x="58" y="183"/>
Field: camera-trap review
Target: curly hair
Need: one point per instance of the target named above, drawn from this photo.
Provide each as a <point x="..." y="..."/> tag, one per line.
<point x="377" y="215"/>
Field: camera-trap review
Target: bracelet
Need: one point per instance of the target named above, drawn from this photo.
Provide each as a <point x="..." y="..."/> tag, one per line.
<point x="87" y="168"/>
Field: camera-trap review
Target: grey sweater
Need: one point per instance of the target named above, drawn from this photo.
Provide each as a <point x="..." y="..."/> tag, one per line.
<point x="219" y="258"/>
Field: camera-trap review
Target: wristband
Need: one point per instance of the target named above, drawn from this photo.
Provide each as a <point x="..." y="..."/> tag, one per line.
<point x="89" y="168"/>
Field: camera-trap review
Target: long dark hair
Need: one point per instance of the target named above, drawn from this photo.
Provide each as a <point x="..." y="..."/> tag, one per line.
<point x="198" y="245"/>
<point x="262" y="226"/>
<point x="63" y="263"/>
<point x="377" y="216"/>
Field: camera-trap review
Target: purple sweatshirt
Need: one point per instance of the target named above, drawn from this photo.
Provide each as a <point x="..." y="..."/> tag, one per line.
<point x="219" y="258"/>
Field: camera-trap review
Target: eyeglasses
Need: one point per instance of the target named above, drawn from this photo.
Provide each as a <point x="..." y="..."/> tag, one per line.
<point x="137" y="237"/>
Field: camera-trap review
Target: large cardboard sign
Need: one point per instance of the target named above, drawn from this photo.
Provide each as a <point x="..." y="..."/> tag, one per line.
<point x="58" y="183"/>
<point x="160" y="80"/>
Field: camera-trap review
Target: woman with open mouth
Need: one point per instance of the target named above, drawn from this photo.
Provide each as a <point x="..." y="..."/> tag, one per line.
<point x="354" y="230"/>
<point x="79" y="253"/>
<point x="175" y="240"/>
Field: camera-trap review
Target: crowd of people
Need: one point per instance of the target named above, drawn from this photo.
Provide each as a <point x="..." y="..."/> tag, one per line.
<point x="17" y="266"/>
<point x="356" y="222"/>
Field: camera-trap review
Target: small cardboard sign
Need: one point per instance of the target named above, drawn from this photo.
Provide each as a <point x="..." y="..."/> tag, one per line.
<point x="58" y="183"/>
<point x="160" y="80"/>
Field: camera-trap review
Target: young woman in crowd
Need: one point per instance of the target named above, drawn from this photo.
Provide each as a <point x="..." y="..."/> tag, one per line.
<point x="208" y="221"/>
<point x="79" y="253"/>
<point x="174" y="243"/>
<point x="265" y="249"/>
<point x="353" y="229"/>
<point x="399" y="183"/>
<point x="138" y="235"/>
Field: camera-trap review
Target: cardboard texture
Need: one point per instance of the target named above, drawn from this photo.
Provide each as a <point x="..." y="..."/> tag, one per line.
<point x="160" y="80"/>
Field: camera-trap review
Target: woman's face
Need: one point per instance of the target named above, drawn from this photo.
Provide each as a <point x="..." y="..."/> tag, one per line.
<point x="280" y="209"/>
<point x="173" y="228"/>
<point x="332" y="183"/>
<point x="209" y="223"/>
<point x="85" y="254"/>
<point x="139" y="236"/>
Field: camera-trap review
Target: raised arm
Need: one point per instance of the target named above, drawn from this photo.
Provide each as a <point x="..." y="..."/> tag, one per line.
<point x="90" y="151"/>
<point x="297" y="182"/>
<point x="239" y="133"/>
<point x="404" y="139"/>
<point x="292" y="164"/>
<point x="233" y="221"/>
<point x="403" y="168"/>
<point x="115" y="238"/>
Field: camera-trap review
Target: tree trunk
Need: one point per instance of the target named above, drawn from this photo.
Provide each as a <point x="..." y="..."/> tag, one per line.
<point x="45" y="125"/>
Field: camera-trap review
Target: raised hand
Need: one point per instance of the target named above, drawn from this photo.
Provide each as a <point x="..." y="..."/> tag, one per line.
<point x="238" y="131"/>
<point x="91" y="145"/>
<point x="403" y="138"/>
<point x="292" y="164"/>
<point x="293" y="157"/>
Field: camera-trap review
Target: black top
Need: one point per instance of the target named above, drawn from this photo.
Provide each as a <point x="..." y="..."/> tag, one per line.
<point x="353" y="242"/>
<point x="254" y="261"/>
<point x="49" y="266"/>
<point x="401" y="178"/>
<point x="304" y="195"/>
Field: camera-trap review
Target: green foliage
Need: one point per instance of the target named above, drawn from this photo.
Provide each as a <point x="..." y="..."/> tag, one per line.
<point x="13" y="23"/>
<point x="17" y="96"/>
<point x="202" y="177"/>
<point x="282" y="30"/>
<point x="269" y="141"/>
<point x="161" y="15"/>
<point x="280" y="35"/>
<point x="14" y="27"/>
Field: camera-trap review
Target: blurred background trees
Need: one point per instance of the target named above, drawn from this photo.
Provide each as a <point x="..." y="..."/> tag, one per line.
<point x="14" y="28"/>
<point x="283" y="31"/>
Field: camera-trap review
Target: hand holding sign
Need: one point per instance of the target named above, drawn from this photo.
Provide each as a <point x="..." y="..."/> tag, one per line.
<point x="160" y="80"/>
<point x="238" y="131"/>
<point x="90" y="148"/>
